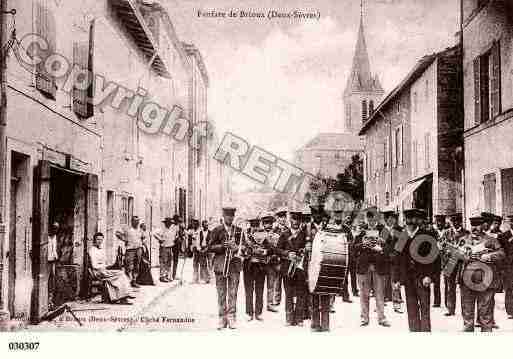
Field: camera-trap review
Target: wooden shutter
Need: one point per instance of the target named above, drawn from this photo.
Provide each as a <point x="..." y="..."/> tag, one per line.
<point x="507" y="191"/>
<point x="489" y="192"/>
<point x="495" y="81"/>
<point x="401" y="145"/>
<point x="415" y="160"/>
<point x="394" y="147"/>
<point x="45" y="27"/>
<point x="477" y="90"/>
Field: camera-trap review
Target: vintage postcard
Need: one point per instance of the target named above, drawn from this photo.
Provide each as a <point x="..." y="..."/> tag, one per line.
<point x="223" y="166"/>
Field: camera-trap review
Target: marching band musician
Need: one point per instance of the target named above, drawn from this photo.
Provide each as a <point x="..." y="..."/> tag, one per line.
<point x="274" y="278"/>
<point x="440" y="228"/>
<point x="199" y="251"/>
<point x="306" y="224"/>
<point x="258" y="249"/>
<point x="338" y="221"/>
<point x="226" y="241"/>
<point x="413" y="274"/>
<point x="291" y="248"/>
<point x="506" y="240"/>
<point x="453" y="237"/>
<point x="478" y="280"/>
<point x="491" y="226"/>
<point x="390" y="234"/>
<point x="371" y="268"/>
<point x="272" y="267"/>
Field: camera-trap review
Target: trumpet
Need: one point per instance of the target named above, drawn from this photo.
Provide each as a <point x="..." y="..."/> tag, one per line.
<point x="296" y="264"/>
<point x="230" y="253"/>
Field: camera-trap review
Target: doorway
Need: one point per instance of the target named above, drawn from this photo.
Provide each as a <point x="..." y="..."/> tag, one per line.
<point x="19" y="268"/>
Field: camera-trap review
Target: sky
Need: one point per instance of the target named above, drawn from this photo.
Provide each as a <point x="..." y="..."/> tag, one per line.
<point x="277" y="83"/>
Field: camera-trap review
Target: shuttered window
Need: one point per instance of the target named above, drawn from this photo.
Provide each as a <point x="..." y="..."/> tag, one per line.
<point x="83" y="56"/>
<point x="45" y="27"/>
<point x="507" y="191"/>
<point x="415" y="158"/>
<point x="427" y="150"/>
<point x="489" y="183"/>
<point x="394" y="148"/>
<point x="495" y="80"/>
<point x="386" y="153"/>
<point x="364" y="110"/>
<point x="477" y="91"/>
<point x="487" y="85"/>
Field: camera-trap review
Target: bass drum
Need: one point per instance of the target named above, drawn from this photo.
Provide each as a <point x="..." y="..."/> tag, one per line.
<point x="328" y="264"/>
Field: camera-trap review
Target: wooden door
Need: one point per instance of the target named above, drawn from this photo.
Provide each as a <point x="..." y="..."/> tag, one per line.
<point x="40" y="241"/>
<point x="12" y="246"/>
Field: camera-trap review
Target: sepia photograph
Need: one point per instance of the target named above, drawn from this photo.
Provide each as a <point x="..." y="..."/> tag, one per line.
<point x="255" y="167"/>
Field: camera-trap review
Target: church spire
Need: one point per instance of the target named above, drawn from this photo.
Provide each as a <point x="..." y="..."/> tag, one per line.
<point x="360" y="78"/>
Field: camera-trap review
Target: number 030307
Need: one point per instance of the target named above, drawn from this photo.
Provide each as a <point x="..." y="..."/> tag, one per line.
<point x="23" y="346"/>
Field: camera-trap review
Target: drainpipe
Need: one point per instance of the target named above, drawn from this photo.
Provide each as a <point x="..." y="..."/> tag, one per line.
<point x="462" y="109"/>
<point x="4" y="311"/>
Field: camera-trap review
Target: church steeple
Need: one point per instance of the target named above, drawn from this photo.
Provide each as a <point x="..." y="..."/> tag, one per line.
<point x="360" y="78"/>
<point x="363" y="90"/>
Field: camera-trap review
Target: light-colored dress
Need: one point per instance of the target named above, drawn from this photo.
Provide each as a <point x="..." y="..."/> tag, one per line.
<point x="116" y="281"/>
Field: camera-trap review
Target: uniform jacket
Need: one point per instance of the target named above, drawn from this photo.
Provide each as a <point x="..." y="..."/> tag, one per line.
<point x="289" y="243"/>
<point x="253" y="247"/>
<point x="496" y="256"/>
<point x="217" y="238"/>
<point x="406" y="267"/>
<point x="365" y="257"/>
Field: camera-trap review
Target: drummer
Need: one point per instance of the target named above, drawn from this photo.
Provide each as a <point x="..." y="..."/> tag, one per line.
<point x="322" y="303"/>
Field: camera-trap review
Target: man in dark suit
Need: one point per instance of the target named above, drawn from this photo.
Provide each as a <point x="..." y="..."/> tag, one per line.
<point x="480" y="263"/>
<point x="390" y="233"/>
<point x="291" y="248"/>
<point x="371" y="268"/>
<point x="506" y="240"/>
<point x="417" y="264"/>
<point x="226" y="239"/>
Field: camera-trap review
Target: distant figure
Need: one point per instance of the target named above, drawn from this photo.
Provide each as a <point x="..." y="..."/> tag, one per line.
<point x="145" y="277"/>
<point x="132" y="239"/>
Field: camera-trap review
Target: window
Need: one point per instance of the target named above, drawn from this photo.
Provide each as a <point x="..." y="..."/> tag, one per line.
<point x="427" y="150"/>
<point x="337" y="155"/>
<point x="415" y="108"/>
<point x="371" y="107"/>
<point x="398" y="107"/>
<point x="386" y="153"/>
<point x="487" y="85"/>
<point x="398" y="147"/>
<point x="83" y="58"/>
<point x="489" y="182"/>
<point x="126" y="209"/>
<point x="348" y="116"/>
<point x="45" y="27"/>
<point x="387" y="198"/>
<point x="394" y="147"/>
<point x="415" y="159"/>
<point x="364" y="110"/>
<point x="426" y="94"/>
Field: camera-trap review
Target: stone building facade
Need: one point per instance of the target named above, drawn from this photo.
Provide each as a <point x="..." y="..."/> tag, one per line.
<point x="412" y="138"/>
<point x="488" y="99"/>
<point x="91" y="164"/>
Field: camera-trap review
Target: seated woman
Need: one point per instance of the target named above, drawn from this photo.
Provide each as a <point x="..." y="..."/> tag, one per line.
<point x="116" y="281"/>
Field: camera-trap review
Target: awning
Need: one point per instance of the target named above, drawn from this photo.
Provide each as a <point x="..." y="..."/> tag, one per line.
<point x="405" y="193"/>
<point x="134" y="22"/>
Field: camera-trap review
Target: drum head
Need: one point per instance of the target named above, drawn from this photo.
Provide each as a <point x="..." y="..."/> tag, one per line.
<point x="314" y="267"/>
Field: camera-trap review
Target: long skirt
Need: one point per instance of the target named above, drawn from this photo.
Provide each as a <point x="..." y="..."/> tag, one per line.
<point x="116" y="283"/>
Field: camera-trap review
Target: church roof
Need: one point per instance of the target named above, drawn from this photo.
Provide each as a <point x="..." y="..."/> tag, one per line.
<point x="334" y="141"/>
<point x="360" y="78"/>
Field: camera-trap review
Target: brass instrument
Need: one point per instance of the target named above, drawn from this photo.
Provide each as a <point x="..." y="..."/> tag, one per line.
<point x="296" y="264"/>
<point x="230" y="253"/>
<point x="371" y="240"/>
<point x="256" y="251"/>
